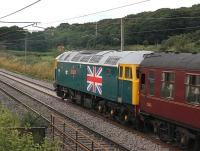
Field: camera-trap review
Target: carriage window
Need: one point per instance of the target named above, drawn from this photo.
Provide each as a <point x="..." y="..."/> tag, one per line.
<point x="167" y="88"/>
<point x="151" y="83"/>
<point x="192" y="89"/>
<point x="128" y="73"/>
<point x="120" y="72"/>
<point x="142" y="86"/>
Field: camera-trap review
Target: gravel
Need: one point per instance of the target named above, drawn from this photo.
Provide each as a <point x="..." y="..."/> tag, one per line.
<point x="44" y="83"/>
<point x="13" y="106"/>
<point x="133" y="142"/>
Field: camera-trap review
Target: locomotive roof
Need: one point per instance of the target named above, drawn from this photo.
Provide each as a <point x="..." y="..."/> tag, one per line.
<point x="187" y="61"/>
<point x="106" y="58"/>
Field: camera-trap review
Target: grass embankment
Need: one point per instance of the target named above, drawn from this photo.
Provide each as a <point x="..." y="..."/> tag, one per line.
<point x="41" y="65"/>
<point x="37" y="65"/>
<point x="13" y="140"/>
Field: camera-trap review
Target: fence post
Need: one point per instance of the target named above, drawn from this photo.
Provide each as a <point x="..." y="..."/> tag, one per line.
<point x="92" y="146"/>
<point x="76" y="140"/>
<point x="51" y="123"/>
<point x="63" y="136"/>
<point x="53" y="120"/>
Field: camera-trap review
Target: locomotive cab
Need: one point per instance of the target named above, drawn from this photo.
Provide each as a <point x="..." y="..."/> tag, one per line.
<point x="128" y="87"/>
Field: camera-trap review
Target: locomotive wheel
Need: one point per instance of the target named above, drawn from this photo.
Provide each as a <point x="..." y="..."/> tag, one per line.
<point x="124" y="117"/>
<point x="112" y="113"/>
<point x="101" y="107"/>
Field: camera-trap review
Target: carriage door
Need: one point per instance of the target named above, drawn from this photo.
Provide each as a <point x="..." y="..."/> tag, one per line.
<point x="125" y="78"/>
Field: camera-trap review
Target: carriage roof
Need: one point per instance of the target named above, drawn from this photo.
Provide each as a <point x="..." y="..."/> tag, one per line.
<point x="188" y="61"/>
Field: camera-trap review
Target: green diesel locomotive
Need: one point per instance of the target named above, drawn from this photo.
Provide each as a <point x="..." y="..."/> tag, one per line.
<point x="106" y="81"/>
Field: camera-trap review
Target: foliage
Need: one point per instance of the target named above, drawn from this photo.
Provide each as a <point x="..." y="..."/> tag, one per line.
<point x="183" y="43"/>
<point x="9" y="36"/>
<point x="39" y="66"/>
<point x="13" y="140"/>
<point x="143" y="47"/>
<point x="7" y="119"/>
<point x="32" y="120"/>
<point x="139" y="29"/>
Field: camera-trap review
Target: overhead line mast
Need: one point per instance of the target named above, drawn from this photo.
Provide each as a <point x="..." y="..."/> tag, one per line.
<point x="122" y="34"/>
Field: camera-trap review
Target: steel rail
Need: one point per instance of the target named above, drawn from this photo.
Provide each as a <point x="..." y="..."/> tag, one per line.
<point x="46" y="119"/>
<point x="61" y="114"/>
<point x="29" y="81"/>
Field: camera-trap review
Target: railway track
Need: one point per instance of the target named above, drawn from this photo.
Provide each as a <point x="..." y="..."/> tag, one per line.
<point x="24" y="81"/>
<point x="50" y="92"/>
<point x="78" y="136"/>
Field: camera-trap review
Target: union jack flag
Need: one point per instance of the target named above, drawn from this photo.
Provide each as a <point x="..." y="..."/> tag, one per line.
<point x="94" y="79"/>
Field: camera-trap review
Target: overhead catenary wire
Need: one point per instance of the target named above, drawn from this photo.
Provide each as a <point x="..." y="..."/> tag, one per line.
<point x="126" y="18"/>
<point x="140" y="32"/>
<point x="114" y="9"/>
<point x="1" y="34"/>
<point x="98" y="12"/>
<point x="20" y="9"/>
<point x="161" y="30"/>
<point x="101" y="27"/>
<point x="19" y="22"/>
<point x="147" y="18"/>
<point x="162" y="18"/>
<point x="169" y="29"/>
<point x="149" y="31"/>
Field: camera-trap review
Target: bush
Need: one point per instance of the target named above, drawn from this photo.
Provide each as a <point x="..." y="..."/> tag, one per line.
<point x="13" y="140"/>
<point x="183" y="43"/>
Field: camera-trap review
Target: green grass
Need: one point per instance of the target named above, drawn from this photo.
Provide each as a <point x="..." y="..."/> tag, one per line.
<point x="37" y="65"/>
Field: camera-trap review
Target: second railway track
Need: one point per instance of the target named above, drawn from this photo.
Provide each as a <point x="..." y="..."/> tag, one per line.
<point x="77" y="135"/>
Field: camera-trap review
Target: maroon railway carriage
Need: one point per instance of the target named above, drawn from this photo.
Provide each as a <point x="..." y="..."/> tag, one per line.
<point x="170" y="96"/>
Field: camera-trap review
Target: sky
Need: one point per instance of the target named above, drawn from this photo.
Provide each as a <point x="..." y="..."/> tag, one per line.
<point x="54" y="12"/>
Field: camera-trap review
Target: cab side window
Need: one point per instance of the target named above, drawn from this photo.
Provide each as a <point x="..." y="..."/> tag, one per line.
<point x="128" y="73"/>
<point x="192" y="88"/>
<point x="120" y="71"/>
<point x="137" y="73"/>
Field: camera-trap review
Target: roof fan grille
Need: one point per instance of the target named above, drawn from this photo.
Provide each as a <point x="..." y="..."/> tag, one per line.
<point x="112" y="60"/>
